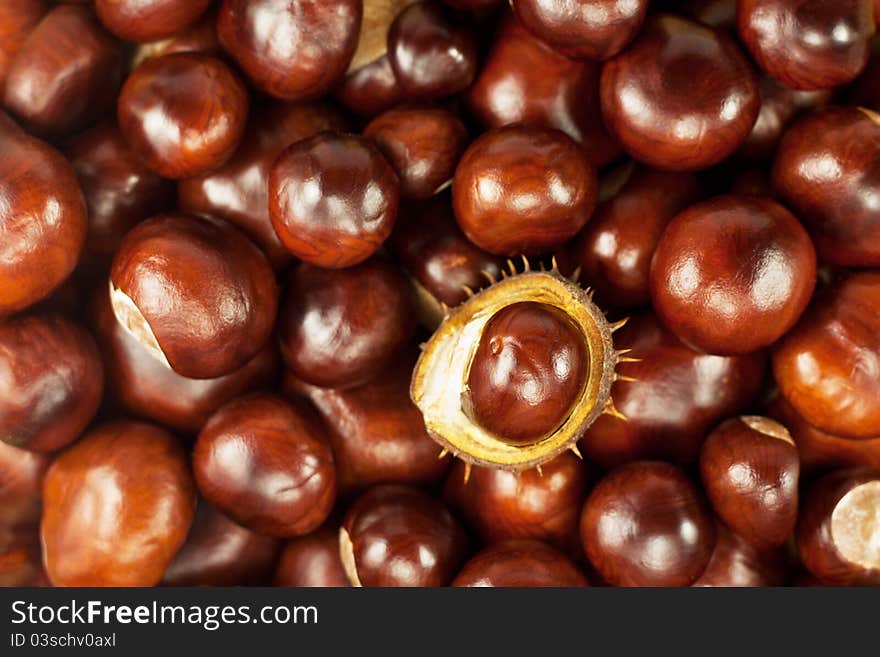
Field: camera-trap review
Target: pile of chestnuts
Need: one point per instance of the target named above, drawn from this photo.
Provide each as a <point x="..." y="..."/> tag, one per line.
<point x="439" y="292"/>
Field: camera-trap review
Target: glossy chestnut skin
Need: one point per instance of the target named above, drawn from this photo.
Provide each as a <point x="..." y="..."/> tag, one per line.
<point x="645" y="524"/>
<point x="267" y="465"/>
<point x="119" y="189"/>
<point x="432" y="52"/>
<point x="828" y="366"/>
<point x="118" y="505"/>
<point x="162" y="266"/>
<point x="148" y="20"/>
<point x="21" y="487"/>
<point x="422" y="144"/>
<point x="218" y="552"/>
<point x="43" y="225"/>
<point x="839" y="528"/>
<point x="523" y="190"/>
<point x="238" y="191"/>
<point x="340" y="328"/>
<point x="524" y="81"/>
<point x="201" y="37"/>
<point x="183" y="114"/>
<point x="371" y="89"/>
<point x="312" y="561"/>
<point x="520" y="563"/>
<point x="834" y="200"/>
<point x="51" y="381"/>
<point x="652" y="105"/>
<point x="306" y="52"/>
<point x="505" y="505"/>
<point x="66" y="73"/>
<point x="737" y="563"/>
<point x="733" y="274"/>
<point x="587" y="29"/>
<point x="678" y="396"/>
<point x="17" y="19"/>
<point x="807" y="44"/>
<point x="400" y="536"/>
<point x="333" y="199"/>
<point x="750" y="469"/>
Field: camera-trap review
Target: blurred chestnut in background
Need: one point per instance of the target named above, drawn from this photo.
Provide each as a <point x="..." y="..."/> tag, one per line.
<point x="523" y="190"/>
<point x="312" y="561"/>
<point x="737" y="563"/>
<point x="682" y="97"/>
<point x="645" y="524"/>
<point x="118" y="505"/>
<point x="183" y="113"/>
<point x="520" y="563"/>
<point x="400" y="536"/>
<point x="147" y="20"/>
<point x="733" y="274"/>
<point x="267" y="465"/>
<point x="333" y="199"/>
<point x="807" y="44"/>
<point x="17" y="19"/>
<point x="291" y="49"/>
<point x="199" y="37"/>
<point x="828" y="366"/>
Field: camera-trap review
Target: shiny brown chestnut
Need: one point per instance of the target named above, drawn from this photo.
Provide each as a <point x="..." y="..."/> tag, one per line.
<point x="201" y="37"/>
<point x="117" y="507"/>
<point x="148" y="20"/>
<point x="839" y="528"/>
<point x="828" y="366"/>
<point x="333" y="199"/>
<point x="159" y="292"/>
<point x="733" y="274"/>
<point x="523" y="190"/>
<point x="183" y="114"/>
<point x="17" y="19"/>
<point x="305" y="52"/>
<point x="400" y="536"/>
<point x="737" y="563"/>
<point x="312" y="561"/>
<point x="371" y="89"/>
<point x="682" y="97"/>
<point x="645" y="524"/>
<point x="520" y="563"/>
<point x="827" y="169"/>
<point x="21" y="486"/>
<point x="807" y="44"/>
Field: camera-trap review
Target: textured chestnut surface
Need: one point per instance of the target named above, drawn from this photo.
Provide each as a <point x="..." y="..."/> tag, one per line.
<point x="66" y="73"/>
<point x="827" y="170"/>
<point x="731" y="275"/>
<point x="21" y="487"/>
<point x="678" y="396"/>
<point x="504" y="505"/>
<point x="750" y="469"/>
<point x="523" y="190"/>
<point x="291" y="49"/>
<point x="681" y="97"/>
<point x="839" y="528"/>
<point x="117" y="507"/>
<point x="147" y="20"/>
<point x="43" y="223"/>
<point x="737" y="563"/>
<point x="341" y="327"/>
<point x="333" y="199"/>
<point x="807" y="44"/>
<point x="267" y="465"/>
<point x="203" y="331"/>
<point x="371" y="89"/>
<point x="17" y="19"/>
<point x="51" y="381"/>
<point x="312" y="561"/>
<point x="644" y="524"/>
<point x="525" y="81"/>
<point x="529" y="368"/>
<point x="520" y="563"/>
<point x="592" y="29"/>
<point x="401" y="536"/>
<point x="422" y="144"/>
<point x="828" y="366"/>
<point x="183" y="114"/>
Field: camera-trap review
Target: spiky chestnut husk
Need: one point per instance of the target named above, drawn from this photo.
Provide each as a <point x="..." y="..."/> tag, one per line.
<point x="440" y="377"/>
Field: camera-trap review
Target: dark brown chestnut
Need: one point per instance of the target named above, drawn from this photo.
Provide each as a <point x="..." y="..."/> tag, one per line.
<point x="737" y="563"/>
<point x="148" y="20"/>
<point x="520" y="563"/>
<point x="371" y="89"/>
<point x="17" y="19"/>
<point x="312" y="561"/>
<point x="200" y="37"/>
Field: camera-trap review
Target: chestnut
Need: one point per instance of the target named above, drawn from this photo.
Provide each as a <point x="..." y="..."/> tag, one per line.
<point x="159" y="293"/>
<point x="645" y="524"/>
<point x="148" y="20"/>
<point x="312" y="561"/>
<point x="864" y="91"/>
<point x="201" y="37"/>
<point x="117" y="507"/>
<point x="733" y="274"/>
<point x="17" y="19"/>
<point x="520" y="563"/>
<point x="21" y="487"/>
<point x="737" y="563"/>
<point x="21" y="558"/>
<point x="371" y="89"/>
<point x="183" y="114"/>
<point x="340" y="328"/>
<point x="657" y="101"/>
<point x="400" y="536"/>
<point x="267" y="465"/>
<point x="523" y="190"/>
<point x="333" y="199"/>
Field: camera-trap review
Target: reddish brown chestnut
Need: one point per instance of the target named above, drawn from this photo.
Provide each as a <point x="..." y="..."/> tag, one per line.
<point x="736" y="563"/>
<point x="520" y="563"/>
<point x="312" y="561"/>
<point x="17" y="19"/>
<point x="148" y="20"/>
<point x="371" y="89"/>
<point x="199" y="37"/>
<point x="21" y="486"/>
